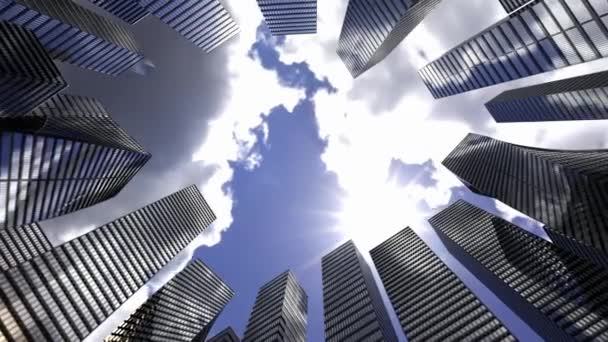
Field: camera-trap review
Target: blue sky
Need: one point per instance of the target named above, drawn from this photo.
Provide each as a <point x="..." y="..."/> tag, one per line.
<point x="295" y="156"/>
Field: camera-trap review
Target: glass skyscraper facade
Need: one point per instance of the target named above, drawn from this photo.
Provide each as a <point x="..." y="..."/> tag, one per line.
<point x="280" y="312"/>
<point x="353" y="306"/>
<point x="373" y="29"/>
<point x="512" y="5"/>
<point x="284" y="17"/>
<point x="179" y="311"/>
<point x="206" y="23"/>
<point x="432" y="304"/>
<point x="128" y="10"/>
<point x="20" y="245"/>
<point x="570" y="293"/>
<point x="65" y="293"/>
<point x="566" y="190"/>
<point x="66" y="155"/>
<point x="72" y="34"/>
<point x="543" y="36"/>
<point x="578" y="98"/>
<point x="28" y="75"/>
<point x="226" y="335"/>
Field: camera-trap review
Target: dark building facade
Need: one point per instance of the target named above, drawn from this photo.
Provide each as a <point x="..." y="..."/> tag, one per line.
<point x="353" y="306"/>
<point x="530" y="274"/>
<point x="280" y="312"/>
<point x="66" y="155"/>
<point x="512" y="5"/>
<point x="432" y="304"/>
<point x="129" y="11"/>
<point x="72" y="34"/>
<point x="20" y="245"/>
<point x="188" y="304"/>
<point x="64" y="294"/>
<point x="578" y="98"/>
<point x="566" y="190"/>
<point x="28" y="76"/>
<point x="542" y="36"/>
<point x="205" y="23"/>
<point x="373" y="29"/>
<point x="226" y="335"/>
<point x="285" y="17"/>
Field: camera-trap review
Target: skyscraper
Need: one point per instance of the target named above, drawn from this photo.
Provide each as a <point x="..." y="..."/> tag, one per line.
<point x="28" y="75"/>
<point x="280" y="312"/>
<point x="353" y="306"/>
<point x="66" y="155"/>
<point x="285" y="17"/>
<point x="20" y="245"/>
<point x="226" y="335"/>
<point x="67" y="292"/>
<point x="431" y="302"/>
<point x="578" y="98"/>
<point x="543" y="36"/>
<point x="566" y="190"/>
<point x="128" y="10"/>
<point x="532" y="275"/>
<point x="373" y="29"/>
<point x="72" y="34"/>
<point x="206" y="23"/>
<point x="179" y="311"/>
<point x="512" y="5"/>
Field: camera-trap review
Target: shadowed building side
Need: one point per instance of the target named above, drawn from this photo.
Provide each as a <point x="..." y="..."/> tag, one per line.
<point x="28" y="76"/>
<point x="226" y="335"/>
<point x="66" y="293"/>
<point x="287" y="17"/>
<point x="21" y="244"/>
<point x="566" y="190"/>
<point x="129" y="11"/>
<point x="432" y="304"/>
<point x="512" y="5"/>
<point x="534" y="276"/>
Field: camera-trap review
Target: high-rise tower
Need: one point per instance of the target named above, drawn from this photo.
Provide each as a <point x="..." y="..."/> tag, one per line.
<point x="72" y="34"/>
<point x="578" y="98"/>
<point x="66" y="155"/>
<point x="353" y="306"/>
<point x="128" y="10"/>
<point x="285" y="17"/>
<point x="431" y="302"/>
<point x="512" y="5"/>
<point x="20" y="245"/>
<point x="280" y="312"/>
<point x="542" y="36"/>
<point x="566" y="190"/>
<point x="181" y="310"/>
<point x="65" y="293"/>
<point x="533" y="276"/>
<point x="226" y="335"/>
<point x="373" y="29"/>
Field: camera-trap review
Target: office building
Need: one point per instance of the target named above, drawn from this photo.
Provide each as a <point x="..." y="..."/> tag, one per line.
<point x="129" y="11"/>
<point x="353" y="306"/>
<point x="226" y="335"/>
<point x="280" y="312"/>
<point x="28" y="76"/>
<point x="20" y="245"/>
<point x="578" y="98"/>
<point x="431" y="302"/>
<point x="373" y="29"/>
<point x="181" y="310"/>
<point x="566" y="190"/>
<point x="65" y="293"/>
<point x="72" y="34"/>
<point x="542" y="36"/>
<point x="286" y="17"/>
<point x="513" y="5"/>
<point x="561" y="296"/>
<point x="66" y="155"/>
<point x="206" y="23"/>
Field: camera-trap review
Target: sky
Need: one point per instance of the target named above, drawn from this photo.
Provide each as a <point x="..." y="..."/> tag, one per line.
<point x="295" y="157"/>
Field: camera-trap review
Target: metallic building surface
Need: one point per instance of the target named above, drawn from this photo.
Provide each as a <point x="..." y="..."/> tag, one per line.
<point x="566" y="190"/>
<point x="226" y="335"/>
<point x="353" y="306"/>
<point x="64" y="294"/>
<point x="206" y="23"/>
<point x="569" y="291"/>
<point x="72" y="34"/>
<point x="187" y="304"/>
<point x="432" y="304"/>
<point x="129" y="11"/>
<point x="513" y="5"/>
<point x="373" y="29"/>
<point x="578" y="98"/>
<point x="66" y="155"/>
<point x="280" y="312"/>
<point x="28" y="76"/>
<point x="542" y="36"/>
<point x="286" y="17"/>
<point x="20" y="245"/>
